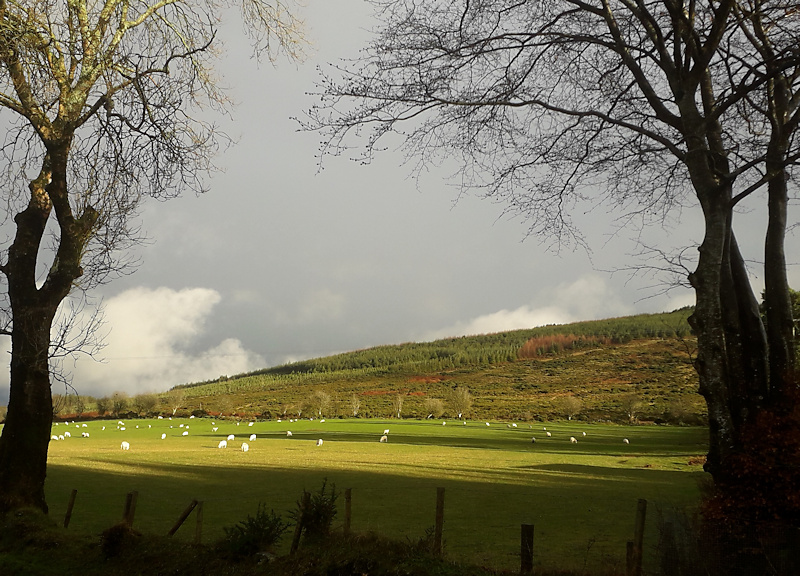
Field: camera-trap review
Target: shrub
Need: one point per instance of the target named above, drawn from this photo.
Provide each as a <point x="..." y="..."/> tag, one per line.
<point x="315" y="512"/>
<point x="255" y="534"/>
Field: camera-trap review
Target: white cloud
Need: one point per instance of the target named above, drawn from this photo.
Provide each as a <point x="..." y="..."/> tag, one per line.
<point x="147" y="348"/>
<point x="587" y="298"/>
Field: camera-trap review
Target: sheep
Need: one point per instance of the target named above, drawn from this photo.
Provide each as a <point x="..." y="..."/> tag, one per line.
<point x="625" y="441"/>
<point x="573" y="439"/>
<point x="222" y="444"/>
<point x="549" y="435"/>
<point x="67" y="435"/>
<point x="103" y="428"/>
<point x="160" y="417"/>
<point x="443" y="423"/>
<point x="215" y="428"/>
<point x="125" y="445"/>
<point x="252" y="437"/>
<point x="54" y="438"/>
<point x="288" y="433"/>
<point x="185" y="433"/>
<point x="384" y="438"/>
<point x="84" y="426"/>
<point x="231" y="437"/>
<point x="386" y="431"/>
<point x="120" y="423"/>
<point x="322" y="420"/>
<point x="513" y="424"/>
<point x="533" y="440"/>
<point x="319" y="442"/>
<point x="181" y="426"/>
<point x="84" y="434"/>
<point x="245" y="447"/>
<point x="60" y="436"/>
<point x="163" y="436"/>
<point x="122" y="428"/>
<point x="249" y="425"/>
<point x="487" y="424"/>
<point x="584" y="434"/>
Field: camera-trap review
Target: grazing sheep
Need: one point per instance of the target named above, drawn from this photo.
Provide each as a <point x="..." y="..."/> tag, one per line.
<point x="625" y="441"/>
<point x="120" y="422"/>
<point x="245" y="447"/>
<point x="319" y="442"/>
<point x="160" y="417"/>
<point x="60" y="436"/>
<point x="67" y="435"/>
<point x="215" y="428"/>
<point x="322" y="420"/>
<point x="103" y="428"/>
<point x="548" y="434"/>
<point x="249" y="425"/>
<point x="163" y="436"/>
<point x="122" y="428"/>
<point x="584" y="433"/>
<point x="125" y="446"/>
<point x="443" y="423"/>
<point x="384" y="438"/>
<point x="181" y="426"/>
<point x="533" y="440"/>
<point x="386" y="431"/>
<point x="288" y="434"/>
<point x="54" y="438"/>
<point x="231" y="437"/>
<point x="185" y="433"/>
<point x="513" y="424"/>
<point x="84" y="426"/>
<point x="222" y="444"/>
<point x="84" y="434"/>
<point x="573" y="439"/>
<point x="252" y="437"/>
<point x="487" y="424"/>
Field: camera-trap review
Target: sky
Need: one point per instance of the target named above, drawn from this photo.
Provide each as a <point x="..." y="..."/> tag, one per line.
<point x="281" y="260"/>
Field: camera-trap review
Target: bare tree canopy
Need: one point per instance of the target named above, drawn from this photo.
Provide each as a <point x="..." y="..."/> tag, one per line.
<point x="104" y="106"/>
<point x="649" y="107"/>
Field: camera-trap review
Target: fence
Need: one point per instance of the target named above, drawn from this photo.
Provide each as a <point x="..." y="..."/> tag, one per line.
<point x="634" y="550"/>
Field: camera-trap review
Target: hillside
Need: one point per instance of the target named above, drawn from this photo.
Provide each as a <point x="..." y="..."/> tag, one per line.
<point x="633" y="368"/>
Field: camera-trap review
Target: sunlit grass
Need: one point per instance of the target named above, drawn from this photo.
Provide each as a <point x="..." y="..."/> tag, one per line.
<point x="580" y="497"/>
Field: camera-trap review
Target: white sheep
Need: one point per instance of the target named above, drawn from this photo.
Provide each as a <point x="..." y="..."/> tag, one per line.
<point x="487" y="424"/>
<point x="384" y="438"/>
<point x="322" y="420"/>
<point x="84" y="434"/>
<point x="533" y="440"/>
<point x="245" y="447"/>
<point x="122" y="428"/>
<point x="84" y="426"/>
<point x="163" y="436"/>
<point x="120" y="422"/>
<point x="513" y="424"/>
<point x="222" y="444"/>
<point x="54" y="438"/>
<point x="549" y="434"/>
<point x="584" y="434"/>
<point x="288" y="434"/>
<point x="215" y="428"/>
<point x="249" y="425"/>
<point x="231" y="437"/>
<point x="60" y="436"/>
<point x="319" y="442"/>
<point x="625" y="441"/>
<point x="67" y="435"/>
<point x="125" y="445"/>
<point x="443" y="423"/>
<point x="386" y="431"/>
<point x="573" y="439"/>
<point x="185" y="433"/>
<point x="252" y="437"/>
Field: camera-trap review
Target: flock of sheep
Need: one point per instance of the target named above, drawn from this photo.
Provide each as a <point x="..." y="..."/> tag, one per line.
<point x="245" y="446"/>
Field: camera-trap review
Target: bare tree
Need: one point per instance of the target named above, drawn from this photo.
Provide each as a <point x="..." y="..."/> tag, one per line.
<point x="649" y="108"/>
<point x="631" y="405"/>
<point x="460" y="400"/>
<point x="100" y="99"/>
<point x="397" y="404"/>
<point x="174" y="399"/>
<point x="434" y="407"/>
<point x="355" y="405"/>
<point x="321" y="403"/>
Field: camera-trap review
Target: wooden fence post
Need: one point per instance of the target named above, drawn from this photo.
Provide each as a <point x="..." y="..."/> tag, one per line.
<point x="526" y="549"/>
<point x="182" y="518"/>
<point x="130" y="508"/>
<point x="439" y="526"/>
<point x="70" y="506"/>
<point x="298" y="529"/>
<point x="198" y="530"/>
<point x="635" y="568"/>
<point x="348" y="501"/>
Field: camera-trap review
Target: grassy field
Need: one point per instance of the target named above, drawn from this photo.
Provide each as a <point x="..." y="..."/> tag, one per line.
<point x="581" y="497"/>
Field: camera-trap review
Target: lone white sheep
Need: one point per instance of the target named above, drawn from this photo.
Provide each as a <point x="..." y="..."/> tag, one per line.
<point x="384" y="438"/>
<point x="222" y="444"/>
<point x="548" y="434"/>
<point x="252" y="437"/>
<point x="125" y="446"/>
<point x="573" y="439"/>
<point x="625" y="441"/>
<point x="185" y="433"/>
<point x="215" y="428"/>
<point x="487" y="424"/>
<point x="250" y="424"/>
<point x="288" y="433"/>
<point x="231" y="437"/>
<point x="319" y="442"/>
<point x="164" y="436"/>
<point x="245" y="447"/>
<point x="533" y="440"/>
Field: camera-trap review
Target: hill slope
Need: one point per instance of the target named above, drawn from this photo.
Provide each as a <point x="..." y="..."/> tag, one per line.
<point x="622" y="369"/>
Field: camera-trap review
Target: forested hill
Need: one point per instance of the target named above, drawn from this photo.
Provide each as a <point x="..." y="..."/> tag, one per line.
<point x="509" y="374"/>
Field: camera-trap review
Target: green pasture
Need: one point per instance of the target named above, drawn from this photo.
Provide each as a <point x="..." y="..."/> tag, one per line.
<point x="581" y="497"/>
